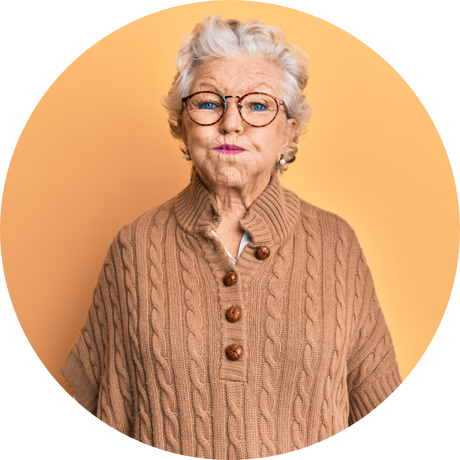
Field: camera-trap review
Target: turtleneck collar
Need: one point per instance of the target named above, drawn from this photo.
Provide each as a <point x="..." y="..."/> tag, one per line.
<point x="269" y="219"/>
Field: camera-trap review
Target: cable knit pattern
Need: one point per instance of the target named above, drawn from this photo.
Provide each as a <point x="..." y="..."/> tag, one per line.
<point x="235" y="423"/>
<point x="303" y="400"/>
<point x="104" y="410"/>
<point x="120" y="357"/>
<point x="145" y="427"/>
<point x="150" y="359"/>
<point x="359" y="292"/>
<point x="339" y="360"/>
<point x="357" y="310"/>
<point x="89" y="363"/>
<point x="92" y="366"/>
<point x="373" y="322"/>
<point x="158" y="322"/>
<point x="272" y="349"/>
<point x="194" y="322"/>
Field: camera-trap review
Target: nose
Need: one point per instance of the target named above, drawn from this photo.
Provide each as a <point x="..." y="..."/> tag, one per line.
<point x="231" y="122"/>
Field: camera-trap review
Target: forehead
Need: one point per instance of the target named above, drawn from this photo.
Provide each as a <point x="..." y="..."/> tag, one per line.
<point x="238" y="76"/>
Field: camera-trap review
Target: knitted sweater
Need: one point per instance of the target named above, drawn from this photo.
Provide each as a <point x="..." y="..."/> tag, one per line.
<point x="317" y="356"/>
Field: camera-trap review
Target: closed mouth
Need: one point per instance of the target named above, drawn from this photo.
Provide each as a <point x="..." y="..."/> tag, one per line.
<point x="229" y="147"/>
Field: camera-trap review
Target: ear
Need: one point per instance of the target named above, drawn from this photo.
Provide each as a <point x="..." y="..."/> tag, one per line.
<point x="182" y="130"/>
<point x="291" y="125"/>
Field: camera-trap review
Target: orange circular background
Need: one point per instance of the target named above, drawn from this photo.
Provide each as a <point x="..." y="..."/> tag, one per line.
<point x="97" y="152"/>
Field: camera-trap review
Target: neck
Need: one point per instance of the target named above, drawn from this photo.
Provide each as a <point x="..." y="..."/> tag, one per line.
<point x="233" y="200"/>
<point x="268" y="220"/>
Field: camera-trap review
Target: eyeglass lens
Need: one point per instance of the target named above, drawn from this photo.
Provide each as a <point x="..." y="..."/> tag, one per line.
<point x="256" y="109"/>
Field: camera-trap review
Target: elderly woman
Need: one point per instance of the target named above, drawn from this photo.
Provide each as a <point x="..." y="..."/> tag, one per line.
<point x="236" y="320"/>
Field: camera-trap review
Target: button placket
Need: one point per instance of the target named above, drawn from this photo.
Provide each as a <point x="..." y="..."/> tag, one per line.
<point x="234" y="352"/>
<point x="233" y="314"/>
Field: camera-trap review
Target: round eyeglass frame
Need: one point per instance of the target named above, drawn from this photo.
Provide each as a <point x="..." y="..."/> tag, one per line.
<point x="278" y="102"/>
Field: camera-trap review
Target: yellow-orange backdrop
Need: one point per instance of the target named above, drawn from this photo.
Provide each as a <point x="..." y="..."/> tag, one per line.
<point x="96" y="152"/>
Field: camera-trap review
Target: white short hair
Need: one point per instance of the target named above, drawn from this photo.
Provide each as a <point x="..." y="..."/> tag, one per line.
<point x="216" y="38"/>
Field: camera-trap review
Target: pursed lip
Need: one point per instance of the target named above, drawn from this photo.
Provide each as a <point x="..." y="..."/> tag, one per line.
<point x="229" y="149"/>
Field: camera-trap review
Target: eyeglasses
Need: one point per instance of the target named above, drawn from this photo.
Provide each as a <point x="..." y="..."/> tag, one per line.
<point x="206" y="108"/>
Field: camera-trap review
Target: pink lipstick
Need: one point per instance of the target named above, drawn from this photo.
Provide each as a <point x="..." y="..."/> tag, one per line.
<point x="229" y="149"/>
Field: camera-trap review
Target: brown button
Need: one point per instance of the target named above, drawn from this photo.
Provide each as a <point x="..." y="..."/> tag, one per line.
<point x="230" y="278"/>
<point x="234" y="352"/>
<point x="233" y="314"/>
<point x="262" y="252"/>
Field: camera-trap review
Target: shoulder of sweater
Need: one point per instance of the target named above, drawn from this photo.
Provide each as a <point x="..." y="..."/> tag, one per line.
<point x="133" y="224"/>
<point x="318" y="215"/>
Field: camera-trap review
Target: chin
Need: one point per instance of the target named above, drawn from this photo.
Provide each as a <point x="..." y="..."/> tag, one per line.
<point x="229" y="175"/>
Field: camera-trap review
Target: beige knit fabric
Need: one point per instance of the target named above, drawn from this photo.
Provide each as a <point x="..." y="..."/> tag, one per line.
<point x="317" y="355"/>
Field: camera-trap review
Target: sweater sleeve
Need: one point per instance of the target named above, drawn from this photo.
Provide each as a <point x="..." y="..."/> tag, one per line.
<point x="89" y="357"/>
<point x="373" y="372"/>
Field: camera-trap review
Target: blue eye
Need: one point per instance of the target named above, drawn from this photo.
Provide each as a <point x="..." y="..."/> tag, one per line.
<point x="208" y="106"/>
<point x="258" y="107"/>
